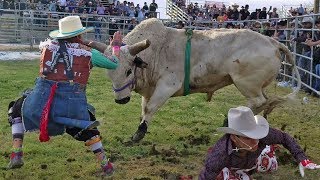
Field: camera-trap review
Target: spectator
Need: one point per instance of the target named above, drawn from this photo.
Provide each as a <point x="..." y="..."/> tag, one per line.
<point x="265" y="30"/>
<point x="131" y="12"/>
<point x="97" y="28"/>
<point x="302" y="62"/>
<point x="63" y="4"/>
<point x="316" y="56"/>
<point x="145" y="6"/>
<point x="234" y="14"/>
<point x="255" y="14"/>
<point x="244" y="13"/>
<point x="90" y="8"/>
<point x="113" y="27"/>
<point x="301" y="10"/>
<point x="141" y="15"/>
<point x="280" y="34"/>
<point x="222" y="17"/>
<point x="132" y="24"/>
<point x="101" y="9"/>
<point x="180" y="25"/>
<point x="263" y="13"/>
<point x="273" y="14"/>
<point x="53" y="6"/>
<point x="152" y="9"/>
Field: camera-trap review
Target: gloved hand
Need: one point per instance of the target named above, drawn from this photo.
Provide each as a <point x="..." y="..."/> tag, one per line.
<point x="307" y="164"/>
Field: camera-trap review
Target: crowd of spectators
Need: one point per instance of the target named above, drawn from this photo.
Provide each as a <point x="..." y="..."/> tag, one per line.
<point x="220" y="12"/>
<point x="116" y="8"/>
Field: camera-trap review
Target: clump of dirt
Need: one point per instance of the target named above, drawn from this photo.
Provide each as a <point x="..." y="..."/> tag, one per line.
<point x="173" y="160"/>
<point x="169" y="155"/>
<point x="168" y="175"/>
<point x="169" y="152"/>
<point x="114" y="156"/>
<point x="164" y="174"/>
<point x="192" y="140"/>
<point x="153" y="151"/>
<point x="44" y="166"/>
<point x="142" y="178"/>
<point x="70" y="160"/>
<point x="186" y="152"/>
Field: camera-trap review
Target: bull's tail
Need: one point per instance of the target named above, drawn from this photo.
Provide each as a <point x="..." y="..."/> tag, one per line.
<point x="291" y="60"/>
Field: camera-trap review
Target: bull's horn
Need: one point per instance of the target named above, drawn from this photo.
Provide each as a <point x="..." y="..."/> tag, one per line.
<point x="138" y="47"/>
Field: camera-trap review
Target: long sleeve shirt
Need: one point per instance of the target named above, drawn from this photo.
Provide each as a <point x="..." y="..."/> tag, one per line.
<point x="222" y="155"/>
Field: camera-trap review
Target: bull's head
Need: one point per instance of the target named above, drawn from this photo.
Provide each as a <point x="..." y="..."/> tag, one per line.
<point x="123" y="78"/>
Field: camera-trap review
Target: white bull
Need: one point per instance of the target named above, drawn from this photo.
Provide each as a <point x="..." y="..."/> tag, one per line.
<point x="219" y="58"/>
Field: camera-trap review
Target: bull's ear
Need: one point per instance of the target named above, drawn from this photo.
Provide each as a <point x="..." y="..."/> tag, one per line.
<point x="138" y="47"/>
<point x="139" y="62"/>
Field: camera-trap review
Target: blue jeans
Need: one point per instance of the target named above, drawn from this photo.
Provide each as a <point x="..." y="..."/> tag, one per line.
<point x="69" y="101"/>
<point x="304" y="64"/>
<point x="97" y="33"/>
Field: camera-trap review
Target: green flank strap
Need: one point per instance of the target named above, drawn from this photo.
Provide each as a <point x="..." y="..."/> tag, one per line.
<point x="186" y="91"/>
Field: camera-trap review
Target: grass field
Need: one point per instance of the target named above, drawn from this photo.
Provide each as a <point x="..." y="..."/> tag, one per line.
<point x="176" y="142"/>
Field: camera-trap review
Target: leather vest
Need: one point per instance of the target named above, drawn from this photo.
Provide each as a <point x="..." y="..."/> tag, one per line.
<point x="79" y="56"/>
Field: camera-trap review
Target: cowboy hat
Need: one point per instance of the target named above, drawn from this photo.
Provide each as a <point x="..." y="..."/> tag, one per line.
<point x="69" y="26"/>
<point x="307" y="20"/>
<point x="242" y="122"/>
<point x="235" y="5"/>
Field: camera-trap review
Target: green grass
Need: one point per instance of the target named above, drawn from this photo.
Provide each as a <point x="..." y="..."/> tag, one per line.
<point x="181" y="132"/>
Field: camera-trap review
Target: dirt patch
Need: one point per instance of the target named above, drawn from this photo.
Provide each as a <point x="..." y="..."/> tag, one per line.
<point x="17" y="47"/>
<point x="193" y="140"/>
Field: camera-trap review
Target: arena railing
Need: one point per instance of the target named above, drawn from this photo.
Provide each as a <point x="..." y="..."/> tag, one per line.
<point x="31" y="27"/>
<point x="34" y="26"/>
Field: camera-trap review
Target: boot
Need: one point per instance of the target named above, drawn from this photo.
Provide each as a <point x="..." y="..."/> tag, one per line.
<point x="15" y="160"/>
<point x="108" y="169"/>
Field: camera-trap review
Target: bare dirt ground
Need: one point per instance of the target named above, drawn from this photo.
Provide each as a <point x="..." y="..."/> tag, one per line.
<point x="18" y="52"/>
<point x="17" y="47"/>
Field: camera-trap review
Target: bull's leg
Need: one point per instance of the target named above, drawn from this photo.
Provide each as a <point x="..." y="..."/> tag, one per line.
<point x="165" y="88"/>
<point x="252" y="90"/>
<point x="144" y="102"/>
<point x="209" y="96"/>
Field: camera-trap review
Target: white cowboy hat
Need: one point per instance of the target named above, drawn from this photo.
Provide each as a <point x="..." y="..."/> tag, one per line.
<point x="242" y="122"/>
<point x="307" y="19"/>
<point x="69" y="26"/>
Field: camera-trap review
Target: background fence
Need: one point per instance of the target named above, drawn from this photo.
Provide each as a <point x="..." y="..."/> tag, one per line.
<point x="31" y="27"/>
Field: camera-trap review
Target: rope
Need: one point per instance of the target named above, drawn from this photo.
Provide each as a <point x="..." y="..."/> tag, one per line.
<point x="189" y="34"/>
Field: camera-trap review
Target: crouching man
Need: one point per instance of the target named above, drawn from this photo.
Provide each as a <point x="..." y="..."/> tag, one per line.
<point x="247" y="147"/>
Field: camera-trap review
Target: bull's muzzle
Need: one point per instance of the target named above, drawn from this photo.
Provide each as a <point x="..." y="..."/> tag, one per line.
<point x="123" y="100"/>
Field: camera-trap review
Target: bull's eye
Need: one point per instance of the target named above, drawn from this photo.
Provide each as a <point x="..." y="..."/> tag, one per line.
<point x="129" y="71"/>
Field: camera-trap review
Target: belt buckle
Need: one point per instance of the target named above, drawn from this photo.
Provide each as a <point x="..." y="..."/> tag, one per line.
<point x="71" y="82"/>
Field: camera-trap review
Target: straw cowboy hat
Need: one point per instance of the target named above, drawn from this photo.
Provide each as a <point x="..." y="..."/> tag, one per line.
<point x="69" y="26"/>
<point x="242" y="122"/>
<point x="235" y="5"/>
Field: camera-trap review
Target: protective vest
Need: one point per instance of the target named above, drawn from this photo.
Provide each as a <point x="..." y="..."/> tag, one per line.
<point x="79" y="57"/>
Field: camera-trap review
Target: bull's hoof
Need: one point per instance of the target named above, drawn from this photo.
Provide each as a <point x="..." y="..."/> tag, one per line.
<point x="140" y="133"/>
